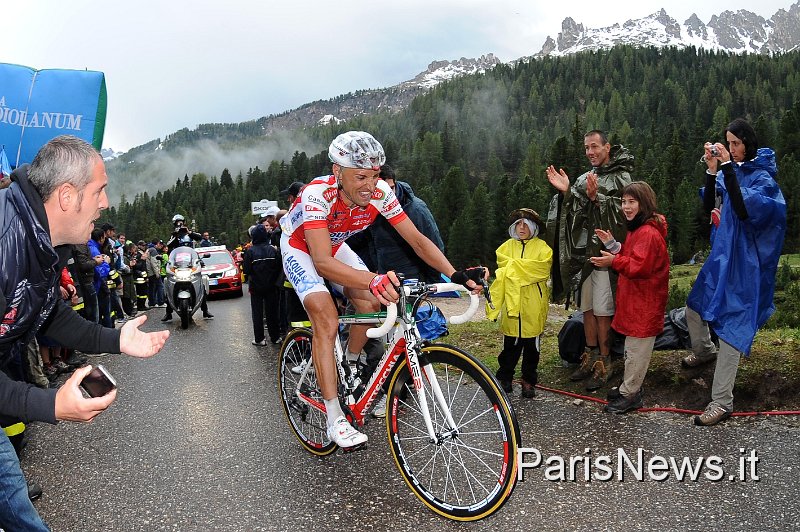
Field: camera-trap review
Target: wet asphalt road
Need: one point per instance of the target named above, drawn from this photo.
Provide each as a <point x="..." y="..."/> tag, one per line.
<point x="197" y="440"/>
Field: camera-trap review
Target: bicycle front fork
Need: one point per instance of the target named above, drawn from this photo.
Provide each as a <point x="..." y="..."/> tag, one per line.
<point x="419" y="376"/>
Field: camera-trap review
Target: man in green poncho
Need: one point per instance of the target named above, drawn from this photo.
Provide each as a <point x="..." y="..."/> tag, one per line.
<point x="592" y="202"/>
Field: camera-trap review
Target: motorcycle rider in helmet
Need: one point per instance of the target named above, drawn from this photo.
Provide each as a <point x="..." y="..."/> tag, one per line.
<point x="182" y="236"/>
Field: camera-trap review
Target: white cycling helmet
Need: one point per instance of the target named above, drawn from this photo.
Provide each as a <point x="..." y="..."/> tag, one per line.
<point x="357" y="149"/>
<point x="177" y="218"/>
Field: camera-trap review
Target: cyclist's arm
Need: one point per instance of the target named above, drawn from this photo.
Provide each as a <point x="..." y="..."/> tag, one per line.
<point x="427" y="250"/>
<point x="319" y="247"/>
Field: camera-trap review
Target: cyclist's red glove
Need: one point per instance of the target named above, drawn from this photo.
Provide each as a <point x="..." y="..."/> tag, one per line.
<point x="470" y="274"/>
<point x="379" y="284"/>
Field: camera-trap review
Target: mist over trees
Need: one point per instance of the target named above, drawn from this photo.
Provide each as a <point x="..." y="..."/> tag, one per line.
<point x="476" y="147"/>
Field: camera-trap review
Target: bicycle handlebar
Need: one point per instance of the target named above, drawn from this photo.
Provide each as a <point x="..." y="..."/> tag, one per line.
<point x="391" y="310"/>
<point x="391" y="317"/>
<point x="474" y="301"/>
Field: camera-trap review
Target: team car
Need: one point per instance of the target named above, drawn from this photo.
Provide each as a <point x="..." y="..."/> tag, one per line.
<point x="224" y="276"/>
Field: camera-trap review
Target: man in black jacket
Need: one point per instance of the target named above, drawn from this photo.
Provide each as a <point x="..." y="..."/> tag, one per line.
<point x="84" y="267"/>
<point x="49" y="205"/>
<point x="389" y="250"/>
<point x="262" y="265"/>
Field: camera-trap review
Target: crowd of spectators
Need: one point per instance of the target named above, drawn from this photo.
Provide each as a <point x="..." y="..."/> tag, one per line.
<point x="108" y="280"/>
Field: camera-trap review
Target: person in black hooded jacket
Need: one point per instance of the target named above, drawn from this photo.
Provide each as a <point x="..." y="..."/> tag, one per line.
<point x="262" y="265"/>
<point x="49" y="205"/>
<point x="389" y="250"/>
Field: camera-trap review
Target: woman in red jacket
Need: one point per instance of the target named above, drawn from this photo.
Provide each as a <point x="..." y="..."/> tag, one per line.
<point x="642" y="288"/>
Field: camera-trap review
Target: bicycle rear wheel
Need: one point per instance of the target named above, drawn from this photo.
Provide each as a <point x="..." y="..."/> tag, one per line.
<point x="308" y="422"/>
<point x="470" y="472"/>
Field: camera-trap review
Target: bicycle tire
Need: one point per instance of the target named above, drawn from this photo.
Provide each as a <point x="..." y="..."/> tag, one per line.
<point x="472" y="474"/>
<point x="308" y="424"/>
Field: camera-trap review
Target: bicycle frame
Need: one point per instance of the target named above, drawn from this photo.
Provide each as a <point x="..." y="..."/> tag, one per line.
<point x="400" y="329"/>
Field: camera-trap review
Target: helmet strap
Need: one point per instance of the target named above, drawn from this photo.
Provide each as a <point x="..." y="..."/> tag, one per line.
<point x="343" y="191"/>
<point x="338" y="176"/>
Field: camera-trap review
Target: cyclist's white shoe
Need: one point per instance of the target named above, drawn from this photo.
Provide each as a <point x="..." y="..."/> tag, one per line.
<point x="345" y="436"/>
<point x="298" y="369"/>
<point x="379" y="410"/>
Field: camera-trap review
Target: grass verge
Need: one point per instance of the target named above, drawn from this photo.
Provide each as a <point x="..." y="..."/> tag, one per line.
<point x="768" y="380"/>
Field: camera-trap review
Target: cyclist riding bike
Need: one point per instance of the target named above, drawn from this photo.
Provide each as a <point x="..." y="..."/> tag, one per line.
<point x="327" y="211"/>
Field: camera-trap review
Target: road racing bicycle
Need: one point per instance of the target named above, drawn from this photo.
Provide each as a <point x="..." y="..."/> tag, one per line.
<point x="451" y="428"/>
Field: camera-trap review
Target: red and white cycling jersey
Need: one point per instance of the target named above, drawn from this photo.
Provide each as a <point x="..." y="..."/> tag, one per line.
<point x="318" y="205"/>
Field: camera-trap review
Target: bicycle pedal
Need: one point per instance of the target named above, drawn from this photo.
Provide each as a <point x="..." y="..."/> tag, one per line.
<point x="354" y="448"/>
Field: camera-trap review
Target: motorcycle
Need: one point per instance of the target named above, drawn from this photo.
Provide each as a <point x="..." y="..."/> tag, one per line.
<point x="185" y="284"/>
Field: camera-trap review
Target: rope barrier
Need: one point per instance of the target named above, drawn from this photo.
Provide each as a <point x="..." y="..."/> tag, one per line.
<point x="669" y="408"/>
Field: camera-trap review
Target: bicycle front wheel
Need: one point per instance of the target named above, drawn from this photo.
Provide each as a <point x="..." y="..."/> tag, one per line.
<point x="300" y="394"/>
<point x="470" y="470"/>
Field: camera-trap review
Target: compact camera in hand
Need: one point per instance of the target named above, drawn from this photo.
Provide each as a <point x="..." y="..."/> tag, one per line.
<point x="714" y="150"/>
<point x="98" y="382"/>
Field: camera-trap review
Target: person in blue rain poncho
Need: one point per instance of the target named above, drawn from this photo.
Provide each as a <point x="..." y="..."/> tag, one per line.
<point x="733" y="291"/>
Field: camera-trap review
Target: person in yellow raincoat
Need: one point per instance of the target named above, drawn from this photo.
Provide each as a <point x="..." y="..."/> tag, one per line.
<point x="521" y="296"/>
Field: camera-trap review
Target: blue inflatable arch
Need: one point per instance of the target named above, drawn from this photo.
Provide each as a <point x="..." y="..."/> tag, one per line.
<point x="37" y="105"/>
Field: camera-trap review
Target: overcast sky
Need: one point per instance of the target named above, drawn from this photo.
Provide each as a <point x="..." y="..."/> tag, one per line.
<point x="171" y="64"/>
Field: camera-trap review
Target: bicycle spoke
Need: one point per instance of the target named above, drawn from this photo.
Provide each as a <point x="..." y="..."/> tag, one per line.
<point x="472" y="449"/>
<point x="457" y="455"/>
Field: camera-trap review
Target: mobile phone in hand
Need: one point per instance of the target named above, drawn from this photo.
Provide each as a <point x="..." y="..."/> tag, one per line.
<point x="98" y="382"/>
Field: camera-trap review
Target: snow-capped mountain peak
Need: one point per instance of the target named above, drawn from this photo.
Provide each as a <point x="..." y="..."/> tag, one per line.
<point x="439" y="71"/>
<point x="737" y="32"/>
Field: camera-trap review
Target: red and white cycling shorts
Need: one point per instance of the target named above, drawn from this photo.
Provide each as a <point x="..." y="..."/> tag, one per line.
<point x="300" y="271"/>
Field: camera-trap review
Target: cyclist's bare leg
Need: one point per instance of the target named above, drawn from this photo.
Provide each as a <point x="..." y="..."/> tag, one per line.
<point x="324" y="321"/>
<point x="364" y="302"/>
<point x="325" y="324"/>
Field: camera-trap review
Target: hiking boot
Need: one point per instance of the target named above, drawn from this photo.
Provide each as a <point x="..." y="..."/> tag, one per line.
<point x="50" y="372"/>
<point x="61" y="367"/>
<point x="507" y="386"/>
<point x="345" y="436"/>
<point x="713" y="414"/>
<point x="379" y="410"/>
<point x="76" y="360"/>
<point x="588" y="359"/>
<point x="601" y="372"/>
<point x="622" y="404"/>
<point x="528" y="390"/>
<point x="692" y="360"/>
